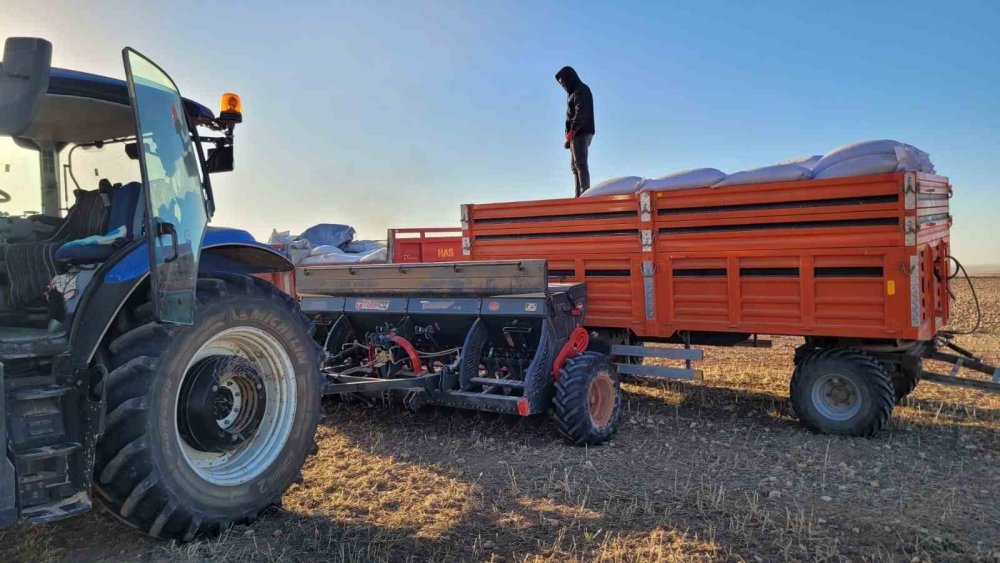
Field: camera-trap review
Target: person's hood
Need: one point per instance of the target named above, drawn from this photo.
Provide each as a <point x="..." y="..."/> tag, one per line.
<point x="569" y="79"/>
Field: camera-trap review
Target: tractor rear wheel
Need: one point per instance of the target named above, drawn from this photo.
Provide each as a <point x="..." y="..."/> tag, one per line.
<point x="588" y="401"/>
<point x="208" y="424"/>
<point x="842" y="391"/>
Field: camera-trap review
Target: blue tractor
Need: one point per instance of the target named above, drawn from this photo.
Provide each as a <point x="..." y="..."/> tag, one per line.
<point x="143" y="362"/>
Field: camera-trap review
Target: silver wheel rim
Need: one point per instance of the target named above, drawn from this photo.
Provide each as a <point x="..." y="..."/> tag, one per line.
<point x="836" y="397"/>
<point x="262" y="449"/>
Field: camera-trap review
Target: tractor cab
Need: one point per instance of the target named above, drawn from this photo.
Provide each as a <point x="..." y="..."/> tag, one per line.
<point x="90" y="168"/>
<point x="105" y="197"/>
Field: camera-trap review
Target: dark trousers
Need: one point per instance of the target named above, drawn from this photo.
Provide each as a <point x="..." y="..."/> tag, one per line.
<point x="578" y="149"/>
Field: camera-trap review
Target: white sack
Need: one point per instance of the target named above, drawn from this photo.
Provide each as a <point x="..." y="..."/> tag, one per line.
<point x="284" y="237"/>
<point x="804" y="161"/>
<point x="860" y="166"/>
<point x="773" y="173"/>
<point x="908" y="158"/>
<point x="615" y="186"/>
<point x="338" y="256"/>
<point x="364" y="245"/>
<point x="323" y="249"/>
<point x="694" y="178"/>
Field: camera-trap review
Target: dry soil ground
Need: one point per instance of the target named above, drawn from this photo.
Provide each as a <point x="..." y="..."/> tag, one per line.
<point x="719" y="471"/>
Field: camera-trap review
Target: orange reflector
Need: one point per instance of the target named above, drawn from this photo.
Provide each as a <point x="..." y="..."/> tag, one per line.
<point x="231" y="103"/>
<point x="522" y="406"/>
<point x="890" y="287"/>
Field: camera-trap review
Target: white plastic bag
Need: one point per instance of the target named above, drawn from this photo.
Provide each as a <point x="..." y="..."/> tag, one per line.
<point x="693" y="178"/>
<point x="767" y="174"/>
<point x="615" y="186"/>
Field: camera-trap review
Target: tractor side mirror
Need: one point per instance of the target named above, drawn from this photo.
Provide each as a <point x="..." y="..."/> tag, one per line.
<point x="24" y="79"/>
<point x="132" y="150"/>
<point x="220" y="159"/>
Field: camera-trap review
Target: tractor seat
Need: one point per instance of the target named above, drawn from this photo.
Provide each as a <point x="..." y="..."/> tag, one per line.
<point x="99" y="247"/>
<point x="32" y="265"/>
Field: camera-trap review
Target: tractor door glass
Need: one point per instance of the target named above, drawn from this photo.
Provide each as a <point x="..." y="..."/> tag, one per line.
<point x="175" y="213"/>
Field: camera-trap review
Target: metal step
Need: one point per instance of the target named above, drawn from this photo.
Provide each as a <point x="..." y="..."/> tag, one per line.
<point x="47" y="452"/>
<point x="42" y="392"/>
<point x="487" y="381"/>
<point x="660" y="371"/>
<point x="58" y="510"/>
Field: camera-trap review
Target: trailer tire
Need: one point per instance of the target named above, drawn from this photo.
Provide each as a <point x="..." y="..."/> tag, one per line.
<point x="842" y="391"/>
<point x="208" y="424"/>
<point x="588" y="402"/>
<point x="904" y="382"/>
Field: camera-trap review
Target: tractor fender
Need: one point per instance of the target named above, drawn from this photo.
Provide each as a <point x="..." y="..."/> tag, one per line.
<point x="223" y="250"/>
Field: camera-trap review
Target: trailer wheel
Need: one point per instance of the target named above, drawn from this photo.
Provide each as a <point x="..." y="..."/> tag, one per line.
<point x="904" y="381"/>
<point x="208" y="424"/>
<point x="842" y="391"/>
<point x="588" y="401"/>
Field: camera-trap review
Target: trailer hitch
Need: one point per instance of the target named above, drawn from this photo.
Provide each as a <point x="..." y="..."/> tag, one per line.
<point x="961" y="358"/>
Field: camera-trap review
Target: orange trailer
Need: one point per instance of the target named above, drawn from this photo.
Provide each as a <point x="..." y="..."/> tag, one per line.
<point x="424" y="245"/>
<point x="858" y="266"/>
<point x="860" y="257"/>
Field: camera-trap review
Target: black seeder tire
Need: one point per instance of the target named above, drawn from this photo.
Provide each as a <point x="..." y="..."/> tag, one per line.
<point x="208" y="424"/>
<point x="588" y="402"/>
<point x="842" y="391"/>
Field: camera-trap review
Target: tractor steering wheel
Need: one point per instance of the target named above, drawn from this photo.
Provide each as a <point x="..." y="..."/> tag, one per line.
<point x="4" y="197"/>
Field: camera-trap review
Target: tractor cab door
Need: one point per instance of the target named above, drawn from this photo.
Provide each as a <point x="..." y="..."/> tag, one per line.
<point x="175" y="207"/>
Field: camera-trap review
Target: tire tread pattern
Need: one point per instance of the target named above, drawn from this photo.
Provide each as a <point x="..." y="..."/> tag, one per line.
<point x="121" y="454"/>
<point x="877" y="378"/>
<point x="569" y="407"/>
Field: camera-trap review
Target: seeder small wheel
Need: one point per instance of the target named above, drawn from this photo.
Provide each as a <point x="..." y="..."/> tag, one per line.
<point x="588" y="401"/>
<point x="842" y="391"/>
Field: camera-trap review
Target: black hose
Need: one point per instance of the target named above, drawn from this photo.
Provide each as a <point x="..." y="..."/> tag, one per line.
<point x="975" y="298"/>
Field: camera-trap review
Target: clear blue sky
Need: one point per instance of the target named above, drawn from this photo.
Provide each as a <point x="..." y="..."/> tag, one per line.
<point x="384" y="114"/>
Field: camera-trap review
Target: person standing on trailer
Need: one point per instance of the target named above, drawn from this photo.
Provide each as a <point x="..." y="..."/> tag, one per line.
<point x="579" y="125"/>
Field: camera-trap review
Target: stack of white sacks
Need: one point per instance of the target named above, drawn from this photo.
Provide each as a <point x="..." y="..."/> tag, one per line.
<point x="857" y="159"/>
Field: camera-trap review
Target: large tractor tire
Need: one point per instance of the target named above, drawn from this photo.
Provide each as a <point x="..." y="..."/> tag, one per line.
<point x="208" y="424"/>
<point x="588" y="401"/>
<point x="842" y="391"/>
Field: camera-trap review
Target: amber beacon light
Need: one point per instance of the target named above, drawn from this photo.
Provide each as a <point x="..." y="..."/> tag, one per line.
<point x="232" y="108"/>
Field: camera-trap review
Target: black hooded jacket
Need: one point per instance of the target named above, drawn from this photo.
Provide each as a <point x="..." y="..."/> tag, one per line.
<point x="579" y="104"/>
